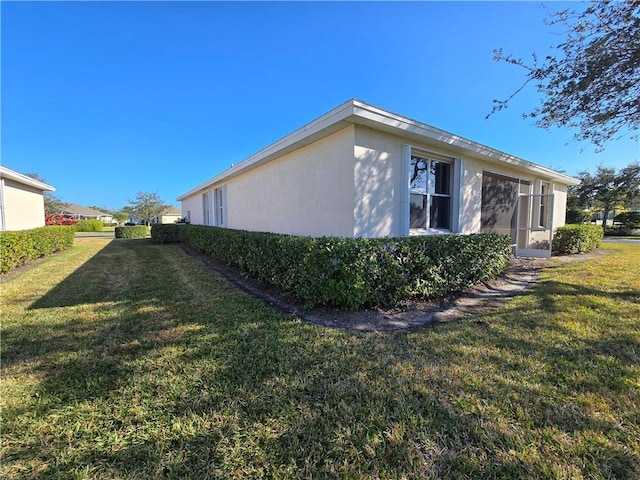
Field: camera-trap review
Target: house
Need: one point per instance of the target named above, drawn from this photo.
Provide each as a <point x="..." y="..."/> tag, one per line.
<point x="362" y="171"/>
<point x="21" y="200"/>
<point x="85" y="213"/>
<point x="171" y="215"/>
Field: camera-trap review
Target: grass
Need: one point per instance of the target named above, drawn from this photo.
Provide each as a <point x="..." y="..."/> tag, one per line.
<point x="125" y="359"/>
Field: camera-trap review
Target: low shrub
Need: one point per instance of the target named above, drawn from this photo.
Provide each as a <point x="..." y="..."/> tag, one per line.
<point x="620" y="231"/>
<point x="628" y="220"/>
<point x="577" y="238"/>
<point x="355" y="272"/>
<point x="166" y="233"/>
<point x="576" y="217"/>
<point x="24" y="246"/>
<point x="89" y="225"/>
<point x="133" y="231"/>
<point x="55" y="219"/>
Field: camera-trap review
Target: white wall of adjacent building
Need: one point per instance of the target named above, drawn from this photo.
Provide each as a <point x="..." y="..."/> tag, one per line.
<point x="22" y="206"/>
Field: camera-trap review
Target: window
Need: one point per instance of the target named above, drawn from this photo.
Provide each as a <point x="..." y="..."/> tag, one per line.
<point x="430" y="194"/>
<point x="206" y="214"/>
<point x="545" y="190"/>
<point x="219" y="196"/>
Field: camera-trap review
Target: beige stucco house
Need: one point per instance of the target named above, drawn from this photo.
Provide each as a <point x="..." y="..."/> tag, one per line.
<point x="171" y="215"/>
<point x="84" y="213"/>
<point x="362" y="171"/>
<point x="21" y="200"/>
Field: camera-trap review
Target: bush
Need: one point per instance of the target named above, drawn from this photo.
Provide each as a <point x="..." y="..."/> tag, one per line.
<point x="55" y="219"/>
<point x="619" y="231"/>
<point x="576" y="217"/>
<point x="354" y="272"/>
<point x="628" y="219"/>
<point x="89" y="225"/>
<point x="134" y="231"/>
<point x="24" y="246"/>
<point x="577" y="238"/>
<point x="165" y="233"/>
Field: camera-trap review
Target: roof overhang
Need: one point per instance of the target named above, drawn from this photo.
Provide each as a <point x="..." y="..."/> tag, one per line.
<point x="25" y="180"/>
<point x="360" y="113"/>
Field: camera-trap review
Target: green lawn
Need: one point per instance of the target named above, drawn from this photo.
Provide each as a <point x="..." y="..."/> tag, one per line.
<point x="125" y="359"/>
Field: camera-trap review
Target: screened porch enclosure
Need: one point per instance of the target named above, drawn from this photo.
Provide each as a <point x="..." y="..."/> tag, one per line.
<point x="509" y="207"/>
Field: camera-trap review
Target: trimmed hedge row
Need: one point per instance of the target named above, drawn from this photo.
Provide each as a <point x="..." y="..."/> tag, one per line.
<point x="577" y="238"/>
<point x="355" y="272"/>
<point x="166" y="233"/>
<point x="132" y="231"/>
<point x="89" y="225"/>
<point x="24" y="246"/>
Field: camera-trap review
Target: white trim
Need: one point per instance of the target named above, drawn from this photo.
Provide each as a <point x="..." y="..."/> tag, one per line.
<point x="457" y="193"/>
<point x="25" y="180"/>
<point x="3" y="221"/>
<point x="405" y="191"/>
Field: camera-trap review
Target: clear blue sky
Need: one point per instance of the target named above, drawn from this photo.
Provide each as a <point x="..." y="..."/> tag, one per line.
<point x="107" y="99"/>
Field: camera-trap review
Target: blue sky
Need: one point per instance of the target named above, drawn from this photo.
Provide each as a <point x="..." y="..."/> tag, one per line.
<point x="105" y="99"/>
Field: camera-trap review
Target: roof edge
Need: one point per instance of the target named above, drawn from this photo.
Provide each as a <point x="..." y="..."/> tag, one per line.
<point x="25" y="179"/>
<point x="356" y="111"/>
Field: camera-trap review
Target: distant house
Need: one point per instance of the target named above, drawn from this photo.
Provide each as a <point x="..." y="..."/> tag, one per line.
<point x="362" y="171"/>
<point x="170" y="216"/>
<point x="21" y="200"/>
<point x="84" y="213"/>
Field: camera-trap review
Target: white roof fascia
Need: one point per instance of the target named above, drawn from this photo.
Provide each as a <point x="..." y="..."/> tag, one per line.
<point x="357" y="112"/>
<point x="376" y="117"/>
<point x="25" y="180"/>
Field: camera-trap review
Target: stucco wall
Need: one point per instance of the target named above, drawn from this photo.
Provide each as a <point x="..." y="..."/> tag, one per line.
<point x="306" y="192"/>
<point x="559" y="205"/>
<point x="23" y="206"/>
<point x="192" y="209"/>
<point x="377" y="179"/>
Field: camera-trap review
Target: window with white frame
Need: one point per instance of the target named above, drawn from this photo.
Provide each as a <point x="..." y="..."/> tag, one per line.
<point x="206" y="214"/>
<point x="220" y="206"/>
<point x="430" y="194"/>
<point x="543" y="213"/>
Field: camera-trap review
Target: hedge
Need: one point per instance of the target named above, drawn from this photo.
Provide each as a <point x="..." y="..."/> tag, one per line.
<point x="133" y="231"/>
<point x="628" y="220"/>
<point x="356" y="272"/>
<point x="576" y="238"/>
<point x="166" y="233"/>
<point x="89" y="225"/>
<point x="24" y="246"/>
<point x="576" y="217"/>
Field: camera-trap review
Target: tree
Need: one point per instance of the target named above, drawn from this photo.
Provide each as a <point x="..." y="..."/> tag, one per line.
<point x="52" y="204"/>
<point x="608" y="189"/>
<point x="120" y="216"/>
<point x="594" y="83"/>
<point x="146" y="206"/>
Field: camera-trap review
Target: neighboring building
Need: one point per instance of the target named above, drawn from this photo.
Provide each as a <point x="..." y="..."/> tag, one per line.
<point x="85" y="213"/>
<point x="362" y="171"/>
<point x="21" y="200"/>
<point x="172" y="215"/>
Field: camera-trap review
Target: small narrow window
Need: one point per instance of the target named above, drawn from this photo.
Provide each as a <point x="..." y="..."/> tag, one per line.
<point x="545" y="190"/>
<point x="220" y="206"/>
<point x="206" y="214"/>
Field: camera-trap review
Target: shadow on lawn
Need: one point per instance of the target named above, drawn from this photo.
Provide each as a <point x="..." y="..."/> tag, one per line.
<point x="198" y="380"/>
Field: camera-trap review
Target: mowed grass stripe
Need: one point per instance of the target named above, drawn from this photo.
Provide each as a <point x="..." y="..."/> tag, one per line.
<point x="125" y="359"/>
